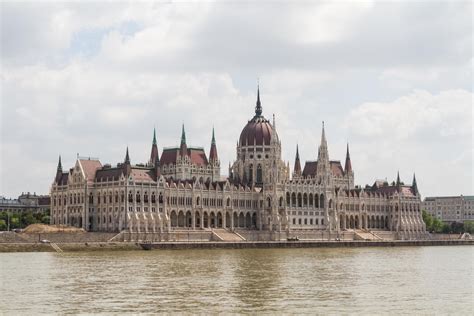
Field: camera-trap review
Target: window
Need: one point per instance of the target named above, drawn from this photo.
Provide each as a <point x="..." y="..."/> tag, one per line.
<point x="251" y="173"/>
<point x="259" y="173"/>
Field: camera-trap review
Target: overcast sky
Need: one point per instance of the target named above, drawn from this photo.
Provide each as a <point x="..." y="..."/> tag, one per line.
<point x="394" y="79"/>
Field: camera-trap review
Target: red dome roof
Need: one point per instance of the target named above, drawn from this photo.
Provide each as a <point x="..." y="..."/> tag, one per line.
<point x="258" y="130"/>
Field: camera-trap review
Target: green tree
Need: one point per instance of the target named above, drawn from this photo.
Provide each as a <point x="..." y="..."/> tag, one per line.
<point x="428" y="219"/>
<point x="469" y="227"/>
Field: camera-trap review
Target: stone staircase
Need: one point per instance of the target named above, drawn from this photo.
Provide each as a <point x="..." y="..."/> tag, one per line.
<point x="385" y="235"/>
<point x="365" y="235"/>
<point x="222" y="234"/>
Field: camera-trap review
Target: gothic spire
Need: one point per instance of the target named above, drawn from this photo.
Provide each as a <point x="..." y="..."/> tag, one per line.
<point x="297" y="168"/>
<point x="183" y="147"/>
<point x="213" y="152"/>
<point x="258" y="108"/>
<point x="323" y="155"/>
<point x="59" y="171"/>
<point x="60" y="166"/>
<point x="348" y="165"/>
<point x="127" y="157"/>
<point x="323" y="137"/>
<point x="398" y="178"/>
<point x="154" y="150"/>
<point x="414" y="185"/>
<point x="183" y="136"/>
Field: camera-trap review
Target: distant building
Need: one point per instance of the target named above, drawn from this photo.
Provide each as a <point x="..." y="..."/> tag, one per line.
<point x="26" y="202"/>
<point x="450" y="208"/>
<point x="183" y="189"/>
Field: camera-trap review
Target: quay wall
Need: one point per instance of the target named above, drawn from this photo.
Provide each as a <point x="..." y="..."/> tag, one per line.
<point x="302" y="244"/>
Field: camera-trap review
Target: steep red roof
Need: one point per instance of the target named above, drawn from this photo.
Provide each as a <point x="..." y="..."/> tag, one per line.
<point x="309" y="169"/>
<point x="197" y="155"/>
<point x="142" y="175"/>
<point x="168" y="156"/>
<point x="90" y="166"/>
<point x="336" y="169"/>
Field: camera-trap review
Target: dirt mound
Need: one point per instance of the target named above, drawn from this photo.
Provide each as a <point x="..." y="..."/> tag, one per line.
<point x="43" y="228"/>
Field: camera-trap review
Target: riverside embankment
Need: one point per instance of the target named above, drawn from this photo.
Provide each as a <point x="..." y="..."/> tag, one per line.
<point x="126" y="246"/>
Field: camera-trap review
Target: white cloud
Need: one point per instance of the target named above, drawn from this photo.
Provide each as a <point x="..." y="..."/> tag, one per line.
<point x="161" y="64"/>
<point x="422" y="132"/>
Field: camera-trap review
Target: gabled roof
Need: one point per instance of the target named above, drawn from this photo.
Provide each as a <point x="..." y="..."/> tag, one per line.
<point x="89" y="167"/>
<point x="197" y="156"/>
<point x="336" y="168"/>
<point x="108" y="174"/>
<point x="142" y="174"/>
<point x="310" y="168"/>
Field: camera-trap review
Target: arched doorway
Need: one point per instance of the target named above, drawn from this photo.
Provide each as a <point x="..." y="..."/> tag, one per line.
<point x="180" y="219"/>
<point x="213" y="220"/>
<point x="219" y="219"/>
<point x="227" y="220"/>
<point x="189" y="219"/>
<point x="241" y="220"/>
<point x="248" y="221"/>
<point x="174" y="219"/>
<point x="198" y="219"/>
<point x="254" y="220"/>
<point x="206" y="220"/>
<point x="236" y="220"/>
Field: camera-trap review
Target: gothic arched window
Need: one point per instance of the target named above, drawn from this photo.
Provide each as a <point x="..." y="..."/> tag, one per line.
<point x="251" y="173"/>
<point x="259" y="173"/>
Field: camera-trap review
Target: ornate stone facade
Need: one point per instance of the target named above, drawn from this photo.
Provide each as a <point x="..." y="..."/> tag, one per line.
<point x="183" y="189"/>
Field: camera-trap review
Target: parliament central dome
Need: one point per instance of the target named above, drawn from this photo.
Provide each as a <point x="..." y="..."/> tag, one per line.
<point x="258" y="130"/>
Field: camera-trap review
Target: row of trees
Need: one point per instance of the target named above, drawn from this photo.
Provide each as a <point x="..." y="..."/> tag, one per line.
<point x="22" y="219"/>
<point x="435" y="225"/>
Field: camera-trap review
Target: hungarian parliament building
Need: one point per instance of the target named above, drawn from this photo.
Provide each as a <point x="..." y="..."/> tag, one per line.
<point x="183" y="190"/>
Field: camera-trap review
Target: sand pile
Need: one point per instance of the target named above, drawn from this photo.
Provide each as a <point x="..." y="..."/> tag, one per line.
<point x="43" y="228"/>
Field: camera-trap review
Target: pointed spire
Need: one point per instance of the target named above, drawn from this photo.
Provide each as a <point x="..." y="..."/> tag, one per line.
<point x="348" y="165"/>
<point x="183" y="136"/>
<point x="258" y="108"/>
<point x="213" y="153"/>
<point x="323" y="136"/>
<point x="154" y="150"/>
<point x="323" y="154"/>
<point x="59" y="171"/>
<point x="183" y="147"/>
<point x="398" y="178"/>
<point x="414" y="185"/>
<point x="127" y="157"/>
<point x="60" y="166"/>
<point x="297" y="168"/>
